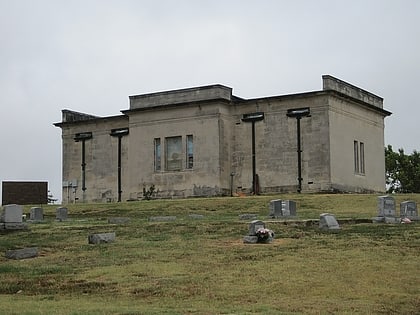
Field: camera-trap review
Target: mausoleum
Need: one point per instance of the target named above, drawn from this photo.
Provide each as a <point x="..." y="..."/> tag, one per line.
<point x="205" y="141"/>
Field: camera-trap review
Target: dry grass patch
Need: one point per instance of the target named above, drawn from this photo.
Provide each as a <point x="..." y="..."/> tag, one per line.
<point x="202" y="266"/>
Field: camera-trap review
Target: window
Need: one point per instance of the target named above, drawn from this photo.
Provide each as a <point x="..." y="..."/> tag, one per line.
<point x="359" y="157"/>
<point x="356" y="156"/>
<point x="190" y="156"/>
<point x="173" y="153"/>
<point x="157" y="162"/>
<point x="362" y="157"/>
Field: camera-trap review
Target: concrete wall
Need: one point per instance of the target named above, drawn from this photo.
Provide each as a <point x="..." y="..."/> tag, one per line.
<point x="101" y="156"/>
<point x="276" y="146"/>
<point x="201" y="121"/>
<point x="350" y="122"/>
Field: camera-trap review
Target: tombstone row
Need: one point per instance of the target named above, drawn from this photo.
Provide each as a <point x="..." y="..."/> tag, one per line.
<point x="387" y="210"/>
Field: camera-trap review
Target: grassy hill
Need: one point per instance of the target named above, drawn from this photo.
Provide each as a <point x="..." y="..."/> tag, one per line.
<point x="202" y="266"/>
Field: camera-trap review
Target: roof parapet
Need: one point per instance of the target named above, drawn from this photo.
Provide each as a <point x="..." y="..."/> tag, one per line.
<point x="72" y="116"/>
<point x="196" y="94"/>
<point x="331" y="83"/>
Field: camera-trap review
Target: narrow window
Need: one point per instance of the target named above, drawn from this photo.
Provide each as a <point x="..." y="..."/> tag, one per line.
<point x="190" y="155"/>
<point x="173" y="153"/>
<point x="157" y="155"/>
<point x="356" y="156"/>
<point x="362" y="157"/>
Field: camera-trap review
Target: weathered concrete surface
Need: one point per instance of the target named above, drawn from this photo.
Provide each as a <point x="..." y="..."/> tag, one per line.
<point x="13" y="226"/>
<point x="101" y="238"/>
<point x="23" y="253"/>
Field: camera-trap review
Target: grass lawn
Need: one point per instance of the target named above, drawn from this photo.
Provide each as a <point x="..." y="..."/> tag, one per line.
<point x="202" y="266"/>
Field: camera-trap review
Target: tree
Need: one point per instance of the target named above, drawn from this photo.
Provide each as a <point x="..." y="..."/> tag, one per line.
<point x="402" y="171"/>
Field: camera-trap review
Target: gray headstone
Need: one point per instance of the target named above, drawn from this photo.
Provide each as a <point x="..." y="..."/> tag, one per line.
<point x="12" y="214"/>
<point x="288" y="208"/>
<point x="61" y="213"/>
<point x="282" y="208"/>
<point x="328" y="221"/>
<point x="275" y="208"/>
<point x="119" y="220"/>
<point x="408" y="209"/>
<point x="23" y="253"/>
<point x="254" y="226"/>
<point x="386" y="206"/>
<point x="101" y="238"/>
<point x="36" y="214"/>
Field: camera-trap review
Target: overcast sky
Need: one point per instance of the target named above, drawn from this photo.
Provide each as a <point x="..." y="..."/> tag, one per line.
<point x="90" y="55"/>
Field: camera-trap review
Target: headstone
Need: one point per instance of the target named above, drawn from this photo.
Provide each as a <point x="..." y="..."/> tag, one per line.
<point x="101" y="238"/>
<point x="23" y="253"/>
<point x="12" y="214"/>
<point x="282" y="208"/>
<point x="61" y="214"/>
<point x="288" y="208"/>
<point x="119" y="220"/>
<point x="386" y="210"/>
<point x="254" y="226"/>
<point x="275" y="208"/>
<point x="386" y="206"/>
<point x="36" y="214"/>
<point x="162" y="218"/>
<point x="258" y="233"/>
<point x="328" y="222"/>
<point x="408" y="209"/>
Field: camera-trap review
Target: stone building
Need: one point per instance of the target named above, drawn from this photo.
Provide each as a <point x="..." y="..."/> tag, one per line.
<point x="205" y="141"/>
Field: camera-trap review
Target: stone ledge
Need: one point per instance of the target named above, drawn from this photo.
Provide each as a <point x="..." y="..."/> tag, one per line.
<point x="23" y="253"/>
<point x="13" y="226"/>
<point x="101" y="238"/>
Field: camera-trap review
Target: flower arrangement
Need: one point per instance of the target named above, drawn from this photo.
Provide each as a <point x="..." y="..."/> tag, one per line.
<point x="264" y="234"/>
